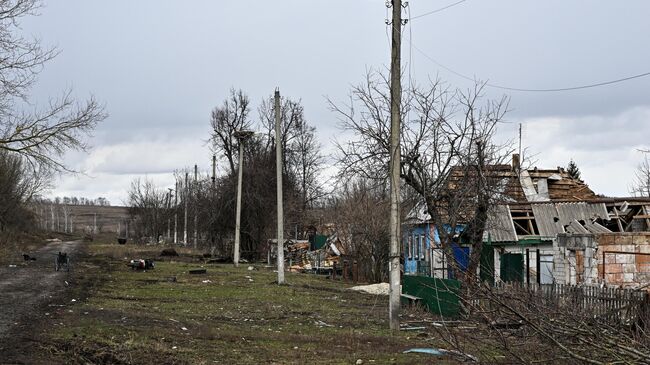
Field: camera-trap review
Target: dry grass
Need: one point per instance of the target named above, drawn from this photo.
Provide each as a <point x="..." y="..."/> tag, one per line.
<point x="227" y="316"/>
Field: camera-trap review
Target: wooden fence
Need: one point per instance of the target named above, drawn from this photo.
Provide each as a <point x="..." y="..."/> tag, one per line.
<point x="608" y="304"/>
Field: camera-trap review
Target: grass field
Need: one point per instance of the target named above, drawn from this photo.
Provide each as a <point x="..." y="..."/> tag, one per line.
<point x="227" y="316"/>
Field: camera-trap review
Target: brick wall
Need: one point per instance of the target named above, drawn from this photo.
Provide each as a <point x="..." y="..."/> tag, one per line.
<point x="626" y="265"/>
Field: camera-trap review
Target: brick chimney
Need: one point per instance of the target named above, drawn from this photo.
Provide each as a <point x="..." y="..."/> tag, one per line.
<point x="515" y="162"/>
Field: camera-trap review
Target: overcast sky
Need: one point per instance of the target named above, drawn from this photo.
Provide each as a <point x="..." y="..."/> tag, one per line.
<point x="160" y="66"/>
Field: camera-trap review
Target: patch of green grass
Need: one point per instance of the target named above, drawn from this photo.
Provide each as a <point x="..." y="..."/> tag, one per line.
<point x="229" y="316"/>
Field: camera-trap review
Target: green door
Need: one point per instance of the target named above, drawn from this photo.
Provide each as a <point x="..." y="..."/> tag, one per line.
<point x="487" y="264"/>
<point x="512" y="267"/>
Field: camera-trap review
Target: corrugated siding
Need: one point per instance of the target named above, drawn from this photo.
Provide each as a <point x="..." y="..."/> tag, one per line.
<point x="499" y="224"/>
<point x="578" y="211"/>
<point x="545" y="215"/>
<point x="568" y="214"/>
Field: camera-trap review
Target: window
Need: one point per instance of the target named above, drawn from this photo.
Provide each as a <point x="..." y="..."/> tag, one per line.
<point x="546" y="269"/>
<point x="409" y="247"/>
<point x="422" y="246"/>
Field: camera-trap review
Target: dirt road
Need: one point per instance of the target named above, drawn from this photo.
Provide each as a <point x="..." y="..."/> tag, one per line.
<point x="27" y="289"/>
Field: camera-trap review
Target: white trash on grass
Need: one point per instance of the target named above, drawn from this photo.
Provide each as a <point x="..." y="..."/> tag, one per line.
<point x="378" y="289"/>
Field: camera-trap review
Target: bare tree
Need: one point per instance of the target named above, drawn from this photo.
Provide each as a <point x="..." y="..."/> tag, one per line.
<point x="42" y="135"/>
<point x="148" y="209"/>
<point x="360" y="212"/>
<point x="448" y="153"/>
<point x="641" y="185"/>
<point x="231" y="116"/>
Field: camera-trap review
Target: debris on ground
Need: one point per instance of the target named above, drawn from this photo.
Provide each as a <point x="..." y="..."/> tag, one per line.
<point x="430" y="351"/>
<point x="141" y="264"/>
<point x="168" y="252"/>
<point x="441" y="352"/>
<point x="26" y="257"/>
<point x="323" y="324"/>
<point x="377" y="289"/>
<point x="197" y="271"/>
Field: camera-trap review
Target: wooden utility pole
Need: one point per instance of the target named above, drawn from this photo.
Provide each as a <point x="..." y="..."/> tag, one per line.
<point x="196" y="206"/>
<point x="185" y="196"/>
<point x="214" y="172"/>
<point x="395" y="157"/>
<point x="176" y="213"/>
<point x="278" y="167"/>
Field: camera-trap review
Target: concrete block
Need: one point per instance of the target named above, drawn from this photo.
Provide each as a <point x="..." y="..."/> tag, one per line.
<point x="613" y="278"/>
<point x="645" y="248"/>
<point x="641" y="239"/>
<point x="629" y="268"/>
<point x="643" y="268"/>
<point x="628" y="278"/>
<point x="628" y="248"/>
<point x="614" y="268"/>
<point x="609" y="258"/>
<point x="624" y="259"/>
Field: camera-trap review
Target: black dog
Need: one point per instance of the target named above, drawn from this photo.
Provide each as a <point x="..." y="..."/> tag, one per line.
<point x="28" y="258"/>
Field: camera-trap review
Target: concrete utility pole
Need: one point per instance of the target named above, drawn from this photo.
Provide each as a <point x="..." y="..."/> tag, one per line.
<point x="395" y="157"/>
<point x="176" y="213"/>
<point x="241" y="135"/>
<point x="95" y="223"/>
<point x="196" y="206"/>
<point x="169" y="218"/>
<point x="278" y="167"/>
<point x="185" y="196"/>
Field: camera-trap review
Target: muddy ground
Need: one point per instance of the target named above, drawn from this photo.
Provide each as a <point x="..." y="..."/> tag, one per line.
<point x="31" y="291"/>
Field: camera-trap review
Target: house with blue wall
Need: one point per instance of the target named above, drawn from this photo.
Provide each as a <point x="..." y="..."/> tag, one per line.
<point x="422" y="249"/>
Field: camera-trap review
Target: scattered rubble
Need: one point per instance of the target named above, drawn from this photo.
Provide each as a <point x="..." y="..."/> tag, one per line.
<point x="377" y="289"/>
<point x="141" y="264"/>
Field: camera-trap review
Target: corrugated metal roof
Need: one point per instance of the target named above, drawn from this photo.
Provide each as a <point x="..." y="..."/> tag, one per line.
<point x="545" y="217"/>
<point x="499" y="225"/>
<point x="552" y="218"/>
<point x="575" y="227"/>
<point x="581" y="211"/>
<point x="596" y="228"/>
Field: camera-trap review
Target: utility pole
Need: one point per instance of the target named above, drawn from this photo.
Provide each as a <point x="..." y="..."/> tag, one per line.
<point x="196" y="206"/>
<point x="278" y="167"/>
<point x="214" y="172"/>
<point x="95" y="223"/>
<point x="241" y="136"/>
<point x="176" y="213"/>
<point x="395" y="157"/>
<point x="169" y="218"/>
<point x="185" y="196"/>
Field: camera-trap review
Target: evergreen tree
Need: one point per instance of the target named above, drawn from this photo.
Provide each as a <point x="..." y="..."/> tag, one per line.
<point x="573" y="170"/>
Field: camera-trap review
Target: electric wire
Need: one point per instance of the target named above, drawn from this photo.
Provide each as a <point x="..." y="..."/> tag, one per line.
<point x="509" y="88"/>
<point x="437" y="10"/>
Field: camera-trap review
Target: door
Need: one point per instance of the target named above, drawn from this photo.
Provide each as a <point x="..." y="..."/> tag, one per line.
<point x="512" y="267"/>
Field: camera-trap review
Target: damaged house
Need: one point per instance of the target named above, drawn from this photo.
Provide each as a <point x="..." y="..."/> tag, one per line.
<point x="545" y="228"/>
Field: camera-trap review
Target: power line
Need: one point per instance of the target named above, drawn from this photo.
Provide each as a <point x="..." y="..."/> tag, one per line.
<point x="437" y="10"/>
<point x="580" y="87"/>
